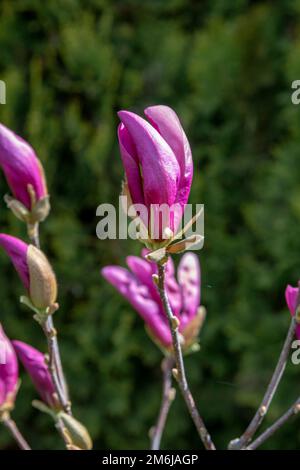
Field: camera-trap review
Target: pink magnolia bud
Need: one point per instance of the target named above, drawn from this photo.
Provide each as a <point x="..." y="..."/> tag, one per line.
<point x="291" y="296"/>
<point x="34" y="363"/>
<point x="9" y="374"/>
<point x="158" y="162"/>
<point x="139" y="289"/>
<point x="34" y="270"/>
<point x="21" y="167"/>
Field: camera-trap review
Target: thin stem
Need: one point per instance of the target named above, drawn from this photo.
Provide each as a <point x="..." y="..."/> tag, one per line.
<point x="33" y="234"/>
<point x="10" y="424"/>
<point x="61" y="392"/>
<point x="272" y="387"/>
<point x="55" y="364"/>
<point x="168" y="395"/>
<point x="180" y="370"/>
<point x="292" y="411"/>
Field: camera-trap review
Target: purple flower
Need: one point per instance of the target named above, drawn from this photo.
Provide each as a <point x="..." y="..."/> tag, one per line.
<point x="34" y="363"/>
<point x="138" y="288"/>
<point x="157" y="160"/>
<point x="291" y="296"/>
<point x="9" y="373"/>
<point x="21" y="167"/>
<point x="34" y="270"/>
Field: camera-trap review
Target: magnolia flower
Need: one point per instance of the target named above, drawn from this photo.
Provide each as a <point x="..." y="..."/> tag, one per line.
<point x="138" y="288"/>
<point x="158" y="165"/>
<point x="34" y="363"/>
<point x="34" y="270"/>
<point x="291" y="296"/>
<point x="21" y="167"/>
<point x="9" y="374"/>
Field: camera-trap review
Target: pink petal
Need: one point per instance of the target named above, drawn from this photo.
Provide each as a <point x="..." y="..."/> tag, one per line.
<point x="189" y="281"/>
<point x="140" y="298"/>
<point x="291" y="295"/>
<point x="160" y="169"/>
<point x="9" y="372"/>
<point x="34" y="363"/>
<point x="166" y="121"/>
<point x="21" y="166"/>
<point x="17" y="251"/>
<point x="143" y="271"/>
<point x="131" y="165"/>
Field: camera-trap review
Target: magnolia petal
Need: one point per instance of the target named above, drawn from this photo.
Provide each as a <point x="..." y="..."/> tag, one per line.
<point x="9" y="371"/>
<point x="21" y="167"/>
<point x="160" y="169"/>
<point x="131" y="165"/>
<point x="166" y="121"/>
<point x="34" y="363"/>
<point x="189" y="281"/>
<point x="291" y="296"/>
<point x="17" y="251"/>
<point x="140" y="298"/>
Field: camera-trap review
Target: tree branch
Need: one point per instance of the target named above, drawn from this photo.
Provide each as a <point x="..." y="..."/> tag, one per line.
<point x="243" y="441"/>
<point x="292" y="411"/>
<point x="179" y="372"/>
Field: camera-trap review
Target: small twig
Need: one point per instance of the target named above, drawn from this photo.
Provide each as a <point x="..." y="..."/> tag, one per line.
<point x="292" y="411"/>
<point x="58" y="383"/>
<point x="10" y="424"/>
<point x="179" y="372"/>
<point x="33" y="234"/>
<point x="241" y="442"/>
<point x="168" y="395"/>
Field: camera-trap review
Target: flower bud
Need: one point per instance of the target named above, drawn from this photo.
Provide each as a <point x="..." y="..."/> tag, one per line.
<point x="158" y="165"/>
<point x="34" y="270"/>
<point x="292" y="299"/>
<point x="23" y="170"/>
<point x="42" y="280"/>
<point x="76" y="432"/>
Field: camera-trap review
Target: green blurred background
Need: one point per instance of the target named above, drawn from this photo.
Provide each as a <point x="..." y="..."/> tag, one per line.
<point x="226" y="67"/>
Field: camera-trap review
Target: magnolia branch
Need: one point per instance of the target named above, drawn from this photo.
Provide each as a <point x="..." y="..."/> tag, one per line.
<point x="168" y="395"/>
<point x="292" y="411"/>
<point x="10" y="424"/>
<point x="272" y="387"/>
<point x="55" y="364"/>
<point x="179" y="372"/>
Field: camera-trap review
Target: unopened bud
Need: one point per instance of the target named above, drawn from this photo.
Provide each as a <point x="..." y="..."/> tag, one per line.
<point x="155" y="279"/>
<point x="172" y="394"/>
<point x="42" y="281"/>
<point x="175" y="322"/>
<point x="77" y="433"/>
<point x="262" y="410"/>
<point x="175" y="373"/>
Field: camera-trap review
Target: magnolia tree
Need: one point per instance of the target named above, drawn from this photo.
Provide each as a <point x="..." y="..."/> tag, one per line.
<point x="158" y="166"/>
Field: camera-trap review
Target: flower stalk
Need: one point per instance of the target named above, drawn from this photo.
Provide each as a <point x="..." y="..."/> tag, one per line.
<point x="55" y="364"/>
<point x="179" y="372"/>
